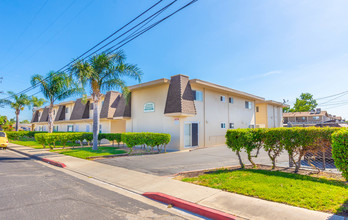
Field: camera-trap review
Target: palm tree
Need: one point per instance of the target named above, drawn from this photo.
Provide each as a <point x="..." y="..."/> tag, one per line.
<point x="56" y="86"/>
<point x="36" y="103"/>
<point x="18" y="103"/>
<point x="103" y="72"/>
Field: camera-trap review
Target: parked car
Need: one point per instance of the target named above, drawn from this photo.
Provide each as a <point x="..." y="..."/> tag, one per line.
<point x="3" y="140"/>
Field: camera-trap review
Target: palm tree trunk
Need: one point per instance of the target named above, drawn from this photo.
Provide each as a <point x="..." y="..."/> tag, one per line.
<point x="95" y="123"/>
<point x="17" y="120"/>
<point x="50" y="118"/>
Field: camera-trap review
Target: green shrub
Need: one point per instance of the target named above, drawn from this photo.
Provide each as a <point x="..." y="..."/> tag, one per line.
<point x="17" y="135"/>
<point x="237" y="139"/>
<point x="149" y="139"/>
<point x="296" y="141"/>
<point x="340" y="151"/>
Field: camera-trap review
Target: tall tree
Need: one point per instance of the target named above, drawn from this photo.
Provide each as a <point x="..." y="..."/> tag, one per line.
<point x="36" y="103"/>
<point x="18" y="103"/>
<point x="101" y="73"/>
<point x="304" y="103"/>
<point x="55" y="86"/>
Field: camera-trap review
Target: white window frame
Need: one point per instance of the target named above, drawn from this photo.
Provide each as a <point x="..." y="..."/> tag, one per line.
<point x="66" y="110"/>
<point x="223" y="125"/>
<point x="222" y="98"/>
<point x="149" y="110"/>
<point x="198" y="96"/>
<point x="249" y="105"/>
<point x="230" y="100"/>
<point x="231" y="127"/>
<point x="70" y="126"/>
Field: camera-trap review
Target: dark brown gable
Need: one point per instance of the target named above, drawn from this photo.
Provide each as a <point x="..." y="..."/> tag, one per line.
<point x="79" y="110"/>
<point x="61" y="113"/>
<point x="123" y="107"/>
<point x="180" y="96"/>
<point x="44" y="116"/>
<point x="35" y="117"/>
<point x="110" y="104"/>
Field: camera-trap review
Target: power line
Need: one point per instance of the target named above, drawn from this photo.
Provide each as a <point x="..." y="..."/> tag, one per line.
<point x="333" y="95"/>
<point x="34" y="86"/>
<point x="137" y="35"/>
<point x="43" y="32"/>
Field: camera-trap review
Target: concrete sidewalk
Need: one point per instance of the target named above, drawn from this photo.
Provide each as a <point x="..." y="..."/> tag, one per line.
<point x="239" y="205"/>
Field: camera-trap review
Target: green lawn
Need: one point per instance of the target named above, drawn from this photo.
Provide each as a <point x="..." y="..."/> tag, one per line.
<point x="87" y="152"/>
<point x="36" y="145"/>
<point x="294" y="189"/>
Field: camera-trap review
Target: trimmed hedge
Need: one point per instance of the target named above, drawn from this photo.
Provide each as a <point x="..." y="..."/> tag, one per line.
<point x="296" y="141"/>
<point x="16" y="135"/>
<point x="148" y="139"/>
<point x="50" y="139"/>
<point x="340" y="151"/>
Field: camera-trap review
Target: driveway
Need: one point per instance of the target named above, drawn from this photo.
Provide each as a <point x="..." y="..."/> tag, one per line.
<point x="175" y="162"/>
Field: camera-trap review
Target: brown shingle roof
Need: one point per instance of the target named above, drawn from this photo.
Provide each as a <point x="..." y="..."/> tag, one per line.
<point x="123" y="107"/>
<point x="303" y="114"/>
<point x="61" y="113"/>
<point x="35" y="117"/>
<point x="115" y="105"/>
<point x="180" y="96"/>
<point x="44" y="116"/>
<point x="79" y="110"/>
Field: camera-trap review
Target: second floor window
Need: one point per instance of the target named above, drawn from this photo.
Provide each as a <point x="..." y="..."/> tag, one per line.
<point x="222" y="98"/>
<point x="66" y="110"/>
<point x="197" y="95"/>
<point x="230" y="100"/>
<point x="149" y="107"/>
<point x="247" y="105"/>
<point x="257" y="108"/>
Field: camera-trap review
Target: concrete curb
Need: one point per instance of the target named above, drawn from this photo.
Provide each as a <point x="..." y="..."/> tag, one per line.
<point x="46" y="160"/>
<point x="189" y="206"/>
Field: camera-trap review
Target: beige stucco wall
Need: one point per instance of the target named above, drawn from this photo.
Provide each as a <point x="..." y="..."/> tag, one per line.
<point x="261" y="116"/>
<point x="154" y="121"/>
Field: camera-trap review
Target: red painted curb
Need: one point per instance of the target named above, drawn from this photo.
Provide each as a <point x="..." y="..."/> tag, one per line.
<point x="189" y="206"/>
<point x="55" y="163"/>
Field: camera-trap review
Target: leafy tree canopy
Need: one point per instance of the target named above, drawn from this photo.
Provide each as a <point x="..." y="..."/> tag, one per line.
<point x="304" y="103"/>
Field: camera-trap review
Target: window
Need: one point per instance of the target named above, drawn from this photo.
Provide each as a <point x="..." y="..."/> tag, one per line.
<point x="55" y="128"/>
<point x="316" y="117"/>
<point x="100" y="128"/>
<point x="231" y="125"/>
<point x="76" y="128"/>
<point x="87" y="128"/>
<point x="230" y="100"/>
<point x="40" y="128"/>
<point x="149" y="107"/>
<point x="222" y="98"/>
<point x="247" y="105"/>
<point x="251" y="126"/>
<point x="197" y="95"/>
<point x="66" y="110"/>
<point x="223" y="125"/>
<point x="70" y="128"/>
<point x="257" y="108"/>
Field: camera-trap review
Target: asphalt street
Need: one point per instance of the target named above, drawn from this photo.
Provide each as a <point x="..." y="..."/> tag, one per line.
<point x="175" y="162"/>
<point x="31" y="190"/>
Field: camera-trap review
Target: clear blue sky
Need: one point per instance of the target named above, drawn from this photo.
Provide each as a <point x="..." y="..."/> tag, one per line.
<point x="271" y="48"/>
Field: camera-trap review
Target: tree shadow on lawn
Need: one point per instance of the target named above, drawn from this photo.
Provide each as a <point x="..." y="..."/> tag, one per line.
<point x="289" y="175"/>
<point x="343" y="211"/>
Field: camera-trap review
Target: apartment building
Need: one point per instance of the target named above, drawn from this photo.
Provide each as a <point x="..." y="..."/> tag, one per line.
<point x="269" y="114"/>
<point x="194" y="112"/>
